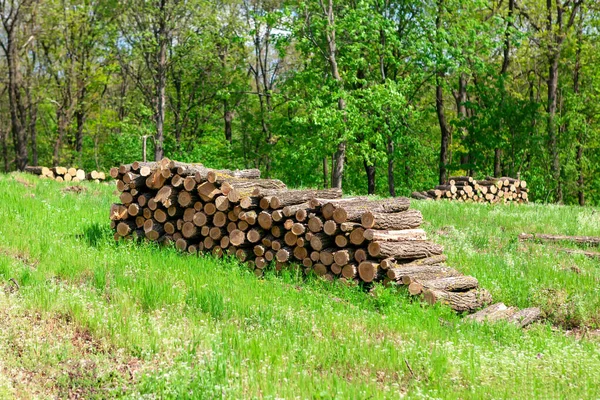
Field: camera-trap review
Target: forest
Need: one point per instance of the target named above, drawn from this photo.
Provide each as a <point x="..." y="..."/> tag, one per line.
<point x="375" y="96"/>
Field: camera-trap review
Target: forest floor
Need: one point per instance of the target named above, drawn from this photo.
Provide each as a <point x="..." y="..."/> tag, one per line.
<point x="84" y="317"/>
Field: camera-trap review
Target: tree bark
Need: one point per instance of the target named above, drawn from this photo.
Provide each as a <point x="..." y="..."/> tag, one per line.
<point x="580" y="132"/>
<point x="161" y="81"/>
<point x="439" y="104"/>
<point x="340" y="154"/>
<point x="461" y="301"/>
<point x="3" y="137"/>
<point x="390" y="166"/>
<point x="370" y="170"/>
<point x="228" y="119"/>
<point x="16" y="107"/>
<point x="409" y="219"/>
<point x="325" y="173"/>
<point x="557" y="32"/>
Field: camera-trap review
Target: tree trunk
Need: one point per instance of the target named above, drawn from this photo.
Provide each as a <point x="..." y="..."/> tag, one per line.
<point x="61" y="127"/>
<point x="227" y="119"/>
<point x="461" y="109"/>
<point x="390" y="169"/>
<point x="370" y="170"/>
<point x="80" y="119"/>
<point x="439" y="105"/>
<point x="497" y="165"/>
<point x="325" y="173"/>
<point x="580" y="132"/>
<point x="3" y="135"/>
<point x="33" y="132"/>
<point x="161" y="84"/>
<point x="340" y="154"/>
<point x="14" y="99"/>
<point x="552" y="129"/>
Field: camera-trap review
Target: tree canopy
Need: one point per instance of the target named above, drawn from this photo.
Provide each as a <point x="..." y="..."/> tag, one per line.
<point x="375" y="96"/>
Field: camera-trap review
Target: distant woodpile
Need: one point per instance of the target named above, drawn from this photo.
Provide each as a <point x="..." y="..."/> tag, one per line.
<point x="63" y="174"/>
<point x="261" y="222"/>
<point x="490" y="190"/>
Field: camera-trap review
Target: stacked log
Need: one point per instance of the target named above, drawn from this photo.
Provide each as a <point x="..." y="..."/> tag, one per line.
<point x="262" y="223"/>
<point x="490" y="190"/>
<point x="64" y="174"/>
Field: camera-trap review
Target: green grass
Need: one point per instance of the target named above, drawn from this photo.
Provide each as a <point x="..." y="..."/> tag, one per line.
<point x="101" y="319"/>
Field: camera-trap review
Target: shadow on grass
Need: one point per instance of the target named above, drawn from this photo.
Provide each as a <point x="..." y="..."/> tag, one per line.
<point x="96" y="234"/>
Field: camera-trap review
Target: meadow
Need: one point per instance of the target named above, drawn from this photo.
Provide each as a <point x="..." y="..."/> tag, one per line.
<point x="85" y="317"/>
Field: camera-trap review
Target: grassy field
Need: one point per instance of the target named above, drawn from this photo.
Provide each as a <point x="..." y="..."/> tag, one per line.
<point x="97" y="319"/>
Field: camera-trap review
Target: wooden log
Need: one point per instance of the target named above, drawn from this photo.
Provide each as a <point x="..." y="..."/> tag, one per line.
<point x="410" y="219"/>
<point x="277" y="231"/>
<point x="190" y="230"/>
<point x="315" y="224"/>
<point x="198" y="218"/>
<point x="404" y="250"/>
<point x="349" y="271"/>
<point x="291" y="210"/>
<point x="493" y="313"/>
<point x="208" y="191"/>
<point x="357" y="236"/>
<point x="124" y="228"/>
<point x="360" y="255"/>
<point x="320" y="241"/>
<point x="292" y="197"/>
<point x="355" y="210"/>
<point x="525" y="317"/>
<point x="343" y="257"/>
<point x="290" y="238"/>
<point x="237" y="237"/>
<point x="209" y="208"/>
<point x="283" y="254"/>
<point x="326" y="256"/>
<point x="216" y="233"/>
<point x="330" y="227"/>
<point x="254" y="235"/>
<point x="459" y="301"/>
<point x="153" y="230"/>
<point x="449" y="284"/>
<point x="247" y="202"/>
<point x="589" y="240"/>
<point x="395" y="236"/>
<point x="300" y="253"/>
<point x="248" y="216"/>
<point x="426" y="272"/>
<point x="160" y="216"/>
<point x="341" y="241"/>
<point x="265" y="220"/>
<point x="298" y="229"/>
<point x="36" y="170"/>
<point x="219" y="219"/>
<point x="118" y="212"/>
<point x="370" y="271"/>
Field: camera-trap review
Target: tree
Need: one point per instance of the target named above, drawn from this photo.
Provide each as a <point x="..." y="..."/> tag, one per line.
<point x="15" y="14"/>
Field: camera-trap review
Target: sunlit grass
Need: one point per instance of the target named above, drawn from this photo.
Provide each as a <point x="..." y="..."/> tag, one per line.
<point x="186" y="327"/>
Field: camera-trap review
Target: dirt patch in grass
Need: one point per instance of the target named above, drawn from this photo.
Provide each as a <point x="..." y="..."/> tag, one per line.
<point x="51" y="357"/>
<point x="20" y="256"/>
<point x="74" y="189"/>
<point x="24" y="182"/>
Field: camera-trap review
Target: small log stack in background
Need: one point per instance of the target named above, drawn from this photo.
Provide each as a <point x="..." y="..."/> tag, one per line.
<point x="490" y="190"/>
<point x="261" y="222"/>
<point x="63" y="174"/>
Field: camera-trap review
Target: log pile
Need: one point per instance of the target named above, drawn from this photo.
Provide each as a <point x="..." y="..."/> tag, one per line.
<point x="490" y="190"/>
<point x="63" y="174"/>
<point x="262" y="223"/>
